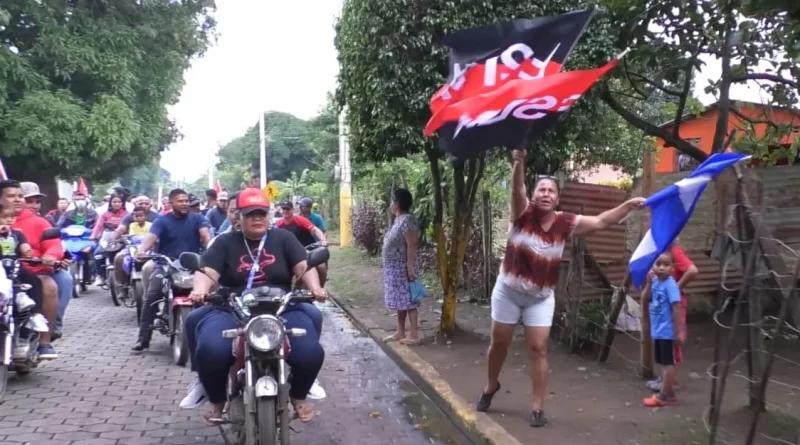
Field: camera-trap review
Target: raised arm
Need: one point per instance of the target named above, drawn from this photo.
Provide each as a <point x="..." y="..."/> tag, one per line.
<point x="519" y="193"/>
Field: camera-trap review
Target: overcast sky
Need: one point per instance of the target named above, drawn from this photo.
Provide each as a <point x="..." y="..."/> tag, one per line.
<point x="274" y="56"/>
<point x="270" y="56"/>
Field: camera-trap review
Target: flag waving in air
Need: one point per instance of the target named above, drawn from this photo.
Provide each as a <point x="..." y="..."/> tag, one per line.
<point x="506" y="83"/>
<point x="671" y="208"/>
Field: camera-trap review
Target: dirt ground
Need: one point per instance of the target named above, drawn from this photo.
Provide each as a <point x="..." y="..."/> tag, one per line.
<point x="587" y="403"/>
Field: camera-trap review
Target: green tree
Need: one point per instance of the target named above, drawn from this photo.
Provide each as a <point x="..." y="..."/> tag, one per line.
<point x="391" y="64"/>
<point x="288" y="148"/>
<point x="84" y="84"/>
<point x="145" y="180"/>
<point x="669" y="41"/>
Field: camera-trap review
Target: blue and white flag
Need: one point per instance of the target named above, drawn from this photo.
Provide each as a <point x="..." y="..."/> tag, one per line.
<point x="671" y="208"/>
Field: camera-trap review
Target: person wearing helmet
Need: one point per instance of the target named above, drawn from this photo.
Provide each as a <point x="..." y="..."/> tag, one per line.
<point x="306" y="205"/>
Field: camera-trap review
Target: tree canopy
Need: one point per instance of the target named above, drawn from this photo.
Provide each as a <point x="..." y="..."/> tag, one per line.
<point x="671" y="41"/>
<point x="391" y="63"/>
<point x="84" y="85"/>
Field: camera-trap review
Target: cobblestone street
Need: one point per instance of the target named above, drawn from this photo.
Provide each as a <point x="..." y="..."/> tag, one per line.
<point x="98" y="393"/>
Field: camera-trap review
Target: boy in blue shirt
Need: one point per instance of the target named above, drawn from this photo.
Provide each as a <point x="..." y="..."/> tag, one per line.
<point x="661" y="297"/>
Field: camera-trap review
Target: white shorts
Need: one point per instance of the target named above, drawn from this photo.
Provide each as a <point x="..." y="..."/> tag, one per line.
<point x="509" y="305"/>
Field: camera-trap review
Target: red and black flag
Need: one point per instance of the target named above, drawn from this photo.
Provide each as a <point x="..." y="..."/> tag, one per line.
<point x="499" y="89"/>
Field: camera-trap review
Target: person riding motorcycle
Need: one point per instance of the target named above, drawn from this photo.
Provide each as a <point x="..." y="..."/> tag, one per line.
<point x="44" y="289"/>
<point x="111" y="218"/>
<point x="216" y="215"/>
<point x="81" y="215"/>
<point x="232" y="216"/>
<point x="305" y="231"/>
<point x="54" y="215"/>
<point x="176" y="232"/>
<point x="306" y="205"/>
<point x="278" y="258"/>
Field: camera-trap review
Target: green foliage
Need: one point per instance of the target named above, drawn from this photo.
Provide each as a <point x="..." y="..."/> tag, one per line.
<point x="84" y="85"/>
<point x="391" y="63"/>
<point x="754" y="41"/>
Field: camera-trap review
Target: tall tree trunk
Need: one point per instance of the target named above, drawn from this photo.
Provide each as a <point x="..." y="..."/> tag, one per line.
<point x="466" y="178"/>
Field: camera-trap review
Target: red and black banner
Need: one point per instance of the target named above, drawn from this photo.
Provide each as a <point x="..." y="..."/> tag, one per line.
<point x="500" y="87"/>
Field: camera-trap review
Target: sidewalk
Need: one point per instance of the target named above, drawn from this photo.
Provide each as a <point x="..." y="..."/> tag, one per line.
<point x="587" y="403"/>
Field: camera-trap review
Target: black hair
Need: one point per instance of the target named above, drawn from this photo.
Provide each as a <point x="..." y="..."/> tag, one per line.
<point x="175" y="192"/>
<point x="403" y="199"/>
<point x="211" y="193"/>
<point x="9" y="184"/>
<point x="234" y="199"/>
<point x="140" y="209"/>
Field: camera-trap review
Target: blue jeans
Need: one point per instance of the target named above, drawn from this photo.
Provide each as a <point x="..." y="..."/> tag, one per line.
<point x="65" y="284"/>
<point x="100" y="265"/>
<point x="211" y="355"/>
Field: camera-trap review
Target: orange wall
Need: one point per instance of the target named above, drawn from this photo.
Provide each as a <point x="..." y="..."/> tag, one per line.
<point x="703" y="127"/>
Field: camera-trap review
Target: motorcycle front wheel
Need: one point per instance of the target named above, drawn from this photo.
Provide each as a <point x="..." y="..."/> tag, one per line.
<point x="180" y="348"/>
<point x="267" y="422"/>
<point x="138" y="297"/>
<point x="3" y="380"/>
<point x="112" y="286"/>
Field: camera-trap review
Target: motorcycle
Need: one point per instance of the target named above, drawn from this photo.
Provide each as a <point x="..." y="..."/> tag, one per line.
<point x="175" y="307"/>
<point x="77" y="244"/>
<point x="19" y="330"/>
<point x="133" y="269"/>
<point x="258" y="403"/>
<point x="106" y="259"/>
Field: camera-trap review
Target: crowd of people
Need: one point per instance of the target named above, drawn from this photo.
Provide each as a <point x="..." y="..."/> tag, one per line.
<point x="244" y="228"/>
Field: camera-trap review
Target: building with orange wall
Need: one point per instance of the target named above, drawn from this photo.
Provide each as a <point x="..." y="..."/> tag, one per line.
<point x="699" y="129"/>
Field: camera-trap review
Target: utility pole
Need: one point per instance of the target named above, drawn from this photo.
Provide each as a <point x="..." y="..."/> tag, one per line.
<point x="262" y="149"/>
<point x="345" y="194"/>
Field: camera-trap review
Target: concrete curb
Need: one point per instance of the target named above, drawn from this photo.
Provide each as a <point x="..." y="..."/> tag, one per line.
<point x="478" y="427"/>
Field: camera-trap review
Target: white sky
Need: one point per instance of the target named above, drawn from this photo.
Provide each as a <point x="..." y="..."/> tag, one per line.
<point x="270" y="56"/>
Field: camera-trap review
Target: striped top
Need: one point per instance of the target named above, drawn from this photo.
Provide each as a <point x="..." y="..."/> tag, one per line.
<point x="533" y="255"/>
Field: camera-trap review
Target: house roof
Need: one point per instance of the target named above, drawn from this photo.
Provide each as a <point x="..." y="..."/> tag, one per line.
<point x="738" y="103"/>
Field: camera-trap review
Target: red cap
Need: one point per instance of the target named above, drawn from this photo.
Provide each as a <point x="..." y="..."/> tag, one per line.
<point x="251" y="199"/>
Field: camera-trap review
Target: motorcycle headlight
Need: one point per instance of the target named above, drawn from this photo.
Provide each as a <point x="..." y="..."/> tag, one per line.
<point x="264" y="333"/>
<point x="182" y="281"/>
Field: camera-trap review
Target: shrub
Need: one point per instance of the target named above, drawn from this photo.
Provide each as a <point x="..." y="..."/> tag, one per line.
<point x="366" y="227"/>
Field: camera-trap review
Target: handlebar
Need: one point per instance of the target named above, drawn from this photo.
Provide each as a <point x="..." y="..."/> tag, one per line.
<point x="38" y="262"/>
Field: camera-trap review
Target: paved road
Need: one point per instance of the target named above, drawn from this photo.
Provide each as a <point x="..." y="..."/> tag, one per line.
<point x="98" y="393"/>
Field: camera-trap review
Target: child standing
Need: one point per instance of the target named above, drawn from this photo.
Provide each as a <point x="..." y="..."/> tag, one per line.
<point x="662" y="299"/>
<point x="140" y="226"/>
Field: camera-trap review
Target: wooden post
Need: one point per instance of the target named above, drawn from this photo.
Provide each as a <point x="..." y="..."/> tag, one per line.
<point x="574" y="303"/>
<point x="617" y="302"/>
<point x="646" y="341"/>
<point x="486" y="210"/>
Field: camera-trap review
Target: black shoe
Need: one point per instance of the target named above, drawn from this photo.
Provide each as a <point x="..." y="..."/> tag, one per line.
<point x="485" y="401"/>
<point x="538" y="419"/>
<point x="141" y="345"/>
<point x="56" y="335"/>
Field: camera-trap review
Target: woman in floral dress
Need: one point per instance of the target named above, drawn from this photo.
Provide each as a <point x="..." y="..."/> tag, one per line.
<point x="400" y="268"/>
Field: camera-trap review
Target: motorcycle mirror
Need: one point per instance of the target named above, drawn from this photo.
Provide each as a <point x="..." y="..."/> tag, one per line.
<point x="190" y="260"/>
<point x="51" y="233"/>
<point x="318" y="256"/>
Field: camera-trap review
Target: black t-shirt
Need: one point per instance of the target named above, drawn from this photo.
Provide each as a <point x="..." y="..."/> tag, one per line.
<point x="233" y="261"/>
<point x="10" y="243"/>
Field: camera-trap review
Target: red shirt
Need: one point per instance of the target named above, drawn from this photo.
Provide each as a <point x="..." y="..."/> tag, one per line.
<point x="682" y="264"/>
<point x="32" y="226"/>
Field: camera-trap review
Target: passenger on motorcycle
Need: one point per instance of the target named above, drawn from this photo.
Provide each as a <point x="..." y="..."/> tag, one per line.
<point x="108" y="221"/>
<point x="305" y="231"/>
<point x="279" y="259"/>
<point x="81" y="215"/>
<point x="232" y="216"/>
<point x="176" y="232"/>
<point x="144" y="201"/>
<point x="306" y="210"/>
<point x="216" y="215"/>
<point x="44" y="290"/>
<point x="54" y="215"/>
